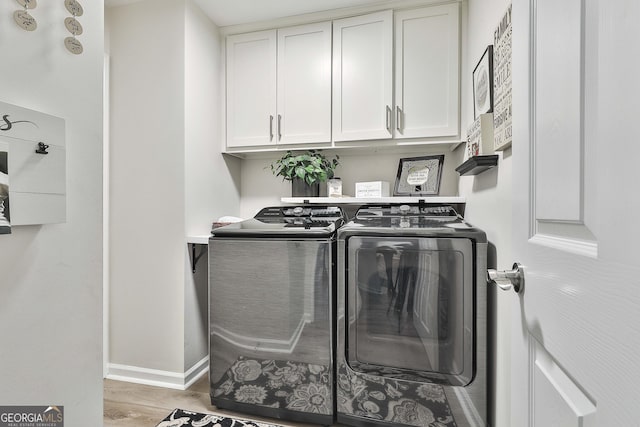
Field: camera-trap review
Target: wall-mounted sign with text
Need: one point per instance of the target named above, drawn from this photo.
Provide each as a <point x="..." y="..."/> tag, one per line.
<point x="502" y="113"/>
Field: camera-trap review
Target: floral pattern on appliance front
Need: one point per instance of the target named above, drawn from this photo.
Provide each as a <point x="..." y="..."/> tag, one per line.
<point x="288" y="385"/>
<point x="380" y="398"/>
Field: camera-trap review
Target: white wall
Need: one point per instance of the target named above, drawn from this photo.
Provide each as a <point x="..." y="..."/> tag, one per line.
<point x="147" y="181"/>
<point x="488" y="194"/>
<point x="261" y="188"/>
<point x="168" y="181"/>
<point x="51" y="275"/>
<point x="210" y="190"/>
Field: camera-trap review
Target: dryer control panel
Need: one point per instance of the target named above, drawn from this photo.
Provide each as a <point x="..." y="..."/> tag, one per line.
<point x="407" y="210"/>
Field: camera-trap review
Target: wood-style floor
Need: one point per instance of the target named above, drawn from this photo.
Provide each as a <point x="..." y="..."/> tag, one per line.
<point x="136" y="405"/>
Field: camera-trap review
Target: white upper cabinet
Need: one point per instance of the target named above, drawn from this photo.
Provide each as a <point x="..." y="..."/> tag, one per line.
<point x="362" y="77"/>
<point x="251" y="89"/>
<point x="304" y="84"/>
<point x="328" y="83"/>
<point x="279" y="86"/>
<point x="427" y="74"/>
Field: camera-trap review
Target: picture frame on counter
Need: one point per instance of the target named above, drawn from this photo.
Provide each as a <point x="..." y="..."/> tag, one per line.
<point x="419" y="176"/>
<point x="483" y="84"/>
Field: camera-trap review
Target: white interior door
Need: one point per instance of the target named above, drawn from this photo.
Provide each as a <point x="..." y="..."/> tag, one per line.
<point x="575" y="332"/>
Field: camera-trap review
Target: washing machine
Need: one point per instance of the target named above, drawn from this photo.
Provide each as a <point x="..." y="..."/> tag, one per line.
<point x="271" y="313"/>
<point x="411" y="319"/>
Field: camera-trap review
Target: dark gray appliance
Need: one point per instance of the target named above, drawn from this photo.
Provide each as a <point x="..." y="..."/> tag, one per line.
<point x="411" y="318"/>
<point x="271" y="316"/>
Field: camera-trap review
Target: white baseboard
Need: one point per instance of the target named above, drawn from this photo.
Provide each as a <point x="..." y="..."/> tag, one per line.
<point x="158" y="378"/>
<point x="196" y="372"/>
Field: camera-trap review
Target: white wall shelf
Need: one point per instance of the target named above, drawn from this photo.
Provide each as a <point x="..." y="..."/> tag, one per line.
<point x="199" y="239"/>
<point x="369" y="200"/>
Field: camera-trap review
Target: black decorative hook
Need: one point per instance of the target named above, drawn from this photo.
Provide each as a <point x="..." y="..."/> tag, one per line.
<point x="42" y="148"/>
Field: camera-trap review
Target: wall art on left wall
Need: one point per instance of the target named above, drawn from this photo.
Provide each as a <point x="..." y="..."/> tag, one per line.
<point x="5" y="224"/>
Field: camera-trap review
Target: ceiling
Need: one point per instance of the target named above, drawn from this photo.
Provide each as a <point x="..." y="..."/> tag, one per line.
<point x="233" y="12"/>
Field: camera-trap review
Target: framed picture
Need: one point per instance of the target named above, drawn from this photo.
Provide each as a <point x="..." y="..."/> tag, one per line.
<point x="483" y="84"/>
<point x="419" y="176"/>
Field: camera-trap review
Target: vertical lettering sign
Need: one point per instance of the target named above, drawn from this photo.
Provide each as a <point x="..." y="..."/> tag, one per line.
<point x="502" y="113"/>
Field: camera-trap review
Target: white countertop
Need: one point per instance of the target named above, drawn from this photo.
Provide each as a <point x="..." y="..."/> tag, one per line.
<point x="199" y="240"/>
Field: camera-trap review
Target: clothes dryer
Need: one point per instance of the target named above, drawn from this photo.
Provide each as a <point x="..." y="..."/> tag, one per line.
<point x="411" y="319"/>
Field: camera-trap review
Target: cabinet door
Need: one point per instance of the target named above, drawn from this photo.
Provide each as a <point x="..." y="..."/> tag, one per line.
<point x="362" y="77"/>
<point x="304" y="84"/>
<point x="251" y="89"/>
<point x="427" y="75"/>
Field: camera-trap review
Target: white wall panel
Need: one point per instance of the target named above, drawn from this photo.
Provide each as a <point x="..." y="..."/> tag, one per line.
<point x="51" y="278"/>
<point x="147" y="181"/>
<point x="558" y="112"/>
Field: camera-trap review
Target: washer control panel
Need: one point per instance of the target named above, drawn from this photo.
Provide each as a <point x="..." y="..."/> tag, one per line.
<point x="309" y="216"/>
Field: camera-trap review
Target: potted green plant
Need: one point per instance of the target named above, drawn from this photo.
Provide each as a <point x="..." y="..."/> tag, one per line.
<point x="305" y="171"/>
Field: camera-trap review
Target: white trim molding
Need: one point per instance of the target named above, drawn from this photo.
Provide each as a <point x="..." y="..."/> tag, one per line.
<point x="579" y="247"/>
<point x="158" y="378"/>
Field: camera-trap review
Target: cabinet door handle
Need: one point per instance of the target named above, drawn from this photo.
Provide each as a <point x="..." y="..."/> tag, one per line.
<point x="388" y="118"/>
<point x="270" y="128"/>
<point x="279" y="127"/>
<point x="399" y="119"/>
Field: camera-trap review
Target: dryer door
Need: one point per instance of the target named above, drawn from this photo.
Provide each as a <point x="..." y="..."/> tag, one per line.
<point x="410" y="307"/>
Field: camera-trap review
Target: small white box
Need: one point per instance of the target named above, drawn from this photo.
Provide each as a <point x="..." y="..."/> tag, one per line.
<point x="372" y="189"/>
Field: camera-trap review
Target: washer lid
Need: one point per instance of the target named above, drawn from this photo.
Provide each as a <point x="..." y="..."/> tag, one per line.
<point x="305" y="221"/>
<point x="411" y="219"/>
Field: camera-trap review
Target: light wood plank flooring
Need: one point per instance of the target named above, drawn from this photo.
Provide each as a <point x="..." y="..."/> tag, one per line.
<point x="136" y="405"/>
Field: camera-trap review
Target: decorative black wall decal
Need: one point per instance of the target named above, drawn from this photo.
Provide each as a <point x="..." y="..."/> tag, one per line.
<point x="8" y="124"/>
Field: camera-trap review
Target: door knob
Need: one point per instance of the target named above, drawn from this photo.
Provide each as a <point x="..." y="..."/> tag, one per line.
<point x="508" y="279"/>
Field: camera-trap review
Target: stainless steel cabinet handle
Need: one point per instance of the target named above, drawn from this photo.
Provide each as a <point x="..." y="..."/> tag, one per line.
<point x="388" y="118"/>
<point x="270" y="128"/>
<point x="279" y="127"/>
<point x="399" y="119"/>
<point x="508" y="279"/>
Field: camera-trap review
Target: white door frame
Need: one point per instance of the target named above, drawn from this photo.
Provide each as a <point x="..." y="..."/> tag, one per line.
<point x="105" y="218"/>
